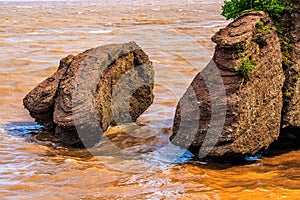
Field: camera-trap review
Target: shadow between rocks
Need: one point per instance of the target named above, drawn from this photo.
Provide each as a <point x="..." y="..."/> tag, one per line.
<point x="289" y="140"/>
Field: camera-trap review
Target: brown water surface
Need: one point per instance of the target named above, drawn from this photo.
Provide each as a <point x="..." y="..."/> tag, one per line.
<point x="176" y="35"/>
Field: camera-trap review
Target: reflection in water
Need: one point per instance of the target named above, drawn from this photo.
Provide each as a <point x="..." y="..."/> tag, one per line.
<point x="21" y="128"/>
<point x="127" y="165"/>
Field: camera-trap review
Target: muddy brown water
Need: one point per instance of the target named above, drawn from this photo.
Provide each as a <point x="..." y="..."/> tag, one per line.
<point x="176" y="35"/>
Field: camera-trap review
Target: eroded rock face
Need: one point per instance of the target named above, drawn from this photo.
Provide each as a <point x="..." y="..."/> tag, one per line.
<point x="89" y="92"/>
<point x="40" y="101"/>
<point x="253" y="99"/>
<point x="291" y="55"/>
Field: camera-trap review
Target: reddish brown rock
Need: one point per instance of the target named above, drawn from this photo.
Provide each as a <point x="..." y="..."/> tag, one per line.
<point x="290" y="25"/>
<point x="252" y="102"/>
<point x="100" y="87"/>
<point x="40" y="101"/>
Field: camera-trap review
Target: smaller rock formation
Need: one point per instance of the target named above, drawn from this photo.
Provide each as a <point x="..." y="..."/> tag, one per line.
<point x="89" y="92"/>
<point x="248" y="62"/>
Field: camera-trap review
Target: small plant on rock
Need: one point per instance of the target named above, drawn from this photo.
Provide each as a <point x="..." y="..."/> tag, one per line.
<point x="69" y="62"/>
<point x="245" y="68"/>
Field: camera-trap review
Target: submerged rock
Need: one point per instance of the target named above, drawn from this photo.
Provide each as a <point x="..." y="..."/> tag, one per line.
<point x="100" y="87"/>
<point x="247" y="60"/>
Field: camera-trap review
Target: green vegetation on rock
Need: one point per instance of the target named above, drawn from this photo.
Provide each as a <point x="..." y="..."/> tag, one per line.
<point x="261" y="27"/>
<point x="286" y="57"/>
<point x="69" y="62"/>
<point x="246" y="67"/>
<point x="263" y="32"/>
<point x="234" y="8"/>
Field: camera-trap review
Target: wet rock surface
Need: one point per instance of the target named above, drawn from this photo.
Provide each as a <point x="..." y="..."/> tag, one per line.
<point x="252" y="100"/>
<point x="103" y="86"/>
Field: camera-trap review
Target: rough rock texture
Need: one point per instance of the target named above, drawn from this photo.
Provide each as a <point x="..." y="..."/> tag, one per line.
<point x="40" y="101"/>
<point x="254" y="100"/>
<point x="290" y="25"/>
<point x="103" y="86"/>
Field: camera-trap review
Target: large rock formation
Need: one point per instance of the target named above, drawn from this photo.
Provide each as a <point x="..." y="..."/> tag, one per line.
<point x="290" y="27"/>
<point x="248" y="61"/>
<point x="89" y="92"/>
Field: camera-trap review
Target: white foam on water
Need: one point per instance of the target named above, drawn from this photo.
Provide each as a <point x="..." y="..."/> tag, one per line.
<point x="33" y="33"/>
<point x="100" y="31"/>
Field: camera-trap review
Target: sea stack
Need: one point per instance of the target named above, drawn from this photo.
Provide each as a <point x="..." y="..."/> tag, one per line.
<point x="249" y="61"/>
<point x="103" y="86"/>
